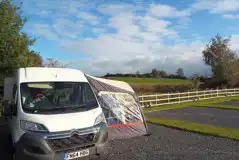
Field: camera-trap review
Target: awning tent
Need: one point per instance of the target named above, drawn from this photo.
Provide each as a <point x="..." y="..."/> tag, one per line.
<point x="121" y="108"/>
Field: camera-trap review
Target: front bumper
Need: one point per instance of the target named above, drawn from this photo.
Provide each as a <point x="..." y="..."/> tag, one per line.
<point x="32" y="146"/>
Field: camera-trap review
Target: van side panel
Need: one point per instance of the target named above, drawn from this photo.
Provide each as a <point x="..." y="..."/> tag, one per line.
<point x="8" y="88"/>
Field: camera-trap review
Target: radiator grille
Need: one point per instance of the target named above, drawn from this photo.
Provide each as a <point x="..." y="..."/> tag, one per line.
<point x="71" y="142"/>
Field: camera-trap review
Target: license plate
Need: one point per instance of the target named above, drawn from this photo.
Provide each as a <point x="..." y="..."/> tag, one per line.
<point x="77" y="154"/>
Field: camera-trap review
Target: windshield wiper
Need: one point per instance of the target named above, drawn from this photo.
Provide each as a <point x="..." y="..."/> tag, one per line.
<point x="86" y="106"/>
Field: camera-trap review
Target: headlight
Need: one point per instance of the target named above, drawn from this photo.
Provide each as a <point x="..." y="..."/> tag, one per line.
<point x="31" y="126"/>
<point x="99" y="118"/>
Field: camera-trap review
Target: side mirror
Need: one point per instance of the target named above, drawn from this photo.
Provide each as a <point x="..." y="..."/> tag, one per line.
<point x="7" y="108"/>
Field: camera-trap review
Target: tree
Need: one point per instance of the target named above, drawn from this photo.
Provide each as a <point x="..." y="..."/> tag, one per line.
<point x="234" y="76"/>
<point x="15" y="49"/>
<point x="163" y="74"/>
<point x="180" y="72"/>
<point x="196" y="82"/>
<point x="51" y="62"/>
<point x="219" y="57"/>
<point x="155" y="72"/>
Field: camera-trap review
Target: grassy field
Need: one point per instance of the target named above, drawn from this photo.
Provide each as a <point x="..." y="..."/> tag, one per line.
<point x="135" y="80"/>
<point x="153" y="85"/>
<point x="197" y="127"/>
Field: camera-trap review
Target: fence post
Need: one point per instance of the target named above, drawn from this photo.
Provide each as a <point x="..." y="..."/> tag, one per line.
<point x="168" y="97"/>
<point x="156" y="99"/>
<point x="217" y="92"/>
<point x="188" y="95"/>
<point x="142" y="100"/>
<point x="226" y="92"/>
<point x="234" y="91"/>
<point x="179" y="97"/>
<point x="197" y="94"/>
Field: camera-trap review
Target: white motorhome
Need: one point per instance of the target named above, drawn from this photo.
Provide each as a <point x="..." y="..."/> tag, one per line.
<point x="52" y="114"/>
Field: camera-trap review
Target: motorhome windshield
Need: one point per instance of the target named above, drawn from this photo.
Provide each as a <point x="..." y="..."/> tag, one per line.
<point x="53" y="97"/>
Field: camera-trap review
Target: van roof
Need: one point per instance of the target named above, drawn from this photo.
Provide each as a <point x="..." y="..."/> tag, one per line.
<point x="38" y="74"/>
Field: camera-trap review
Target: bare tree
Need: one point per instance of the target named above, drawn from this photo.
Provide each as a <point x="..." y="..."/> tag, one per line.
<point x="51" y="62"/>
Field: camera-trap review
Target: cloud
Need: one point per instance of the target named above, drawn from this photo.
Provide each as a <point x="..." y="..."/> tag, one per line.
<point x="161" y="10"/>
<point x="112" y="54"/>
<point x="158" y="27"/>
<point x="136" y="42"/>
<point x="67" y="28"/>
<point x="99" y="30"/>
<point x="230" y="16"/>
<point x="152" y="24"/>
<point x="121" y="37"/>
<point x="114" y="9"/>
<point x="234" y="43"/>
<point x="102" y="66"/>
<point x="44" y="30"/>
<point x="216" y="6"/>
<point x="88" y="17"/>
<point x="182" y="23"/>
<point x="43" y="13"/>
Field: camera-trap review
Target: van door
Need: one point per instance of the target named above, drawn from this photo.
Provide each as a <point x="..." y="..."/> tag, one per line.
<point x="13" y="119"/>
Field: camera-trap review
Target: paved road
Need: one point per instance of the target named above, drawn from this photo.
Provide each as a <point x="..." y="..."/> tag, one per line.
<point x="163" y="144"/>
<point x="232" y="103"/>
<point x="214" y="116"/>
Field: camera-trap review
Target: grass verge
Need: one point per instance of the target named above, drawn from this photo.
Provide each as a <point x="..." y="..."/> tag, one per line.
<point x="197" y="127"/>
<point x="200" y="103"/>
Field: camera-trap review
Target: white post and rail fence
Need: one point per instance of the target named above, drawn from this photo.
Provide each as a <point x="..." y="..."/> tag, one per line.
<point x="172" y="98"/>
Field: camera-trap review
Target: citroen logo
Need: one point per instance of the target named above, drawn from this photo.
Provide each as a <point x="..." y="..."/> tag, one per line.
<point x="74" y="131"/>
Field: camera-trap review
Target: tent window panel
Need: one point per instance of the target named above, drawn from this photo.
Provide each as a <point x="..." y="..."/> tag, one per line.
<point x="120" y="108"/>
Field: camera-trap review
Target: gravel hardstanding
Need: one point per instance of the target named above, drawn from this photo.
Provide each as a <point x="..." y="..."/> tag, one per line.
<point x="172" y="144"/>
<point x="214" y="116"/>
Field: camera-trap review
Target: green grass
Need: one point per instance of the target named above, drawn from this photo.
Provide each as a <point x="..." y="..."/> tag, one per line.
<point x="201" y="103"/>
<point x="197" y="127"/>
<point x="135" y="80"/>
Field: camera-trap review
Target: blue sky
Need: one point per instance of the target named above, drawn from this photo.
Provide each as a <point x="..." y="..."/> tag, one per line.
<point x="99" y="36"/>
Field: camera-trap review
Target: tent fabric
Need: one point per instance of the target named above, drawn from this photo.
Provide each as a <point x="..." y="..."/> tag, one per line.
<point x="121" y="108"/>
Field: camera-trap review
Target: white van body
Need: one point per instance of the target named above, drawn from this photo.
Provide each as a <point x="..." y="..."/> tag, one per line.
<point x="50" y="125"/>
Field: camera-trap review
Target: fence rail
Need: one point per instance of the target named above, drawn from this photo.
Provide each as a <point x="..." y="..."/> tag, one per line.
<point x="171" y="98"/>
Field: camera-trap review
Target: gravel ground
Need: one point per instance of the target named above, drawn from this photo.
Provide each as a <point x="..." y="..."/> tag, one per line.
<point x="172" y="144"/>
<point x="164" y="143"/>
<point x="232" y="103"/>
<point x="214" y="116"/>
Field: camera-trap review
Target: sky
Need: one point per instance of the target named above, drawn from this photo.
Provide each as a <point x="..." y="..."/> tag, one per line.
<point x="125" y="36"/>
